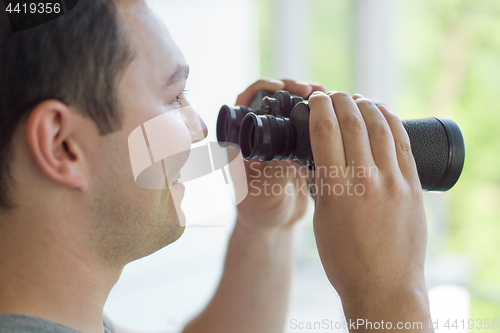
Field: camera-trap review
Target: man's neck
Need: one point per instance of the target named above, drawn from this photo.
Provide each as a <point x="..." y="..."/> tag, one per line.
<point x="44" y="274"/>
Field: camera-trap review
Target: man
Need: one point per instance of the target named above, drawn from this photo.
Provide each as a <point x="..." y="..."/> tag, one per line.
<point x="72" y="91"/>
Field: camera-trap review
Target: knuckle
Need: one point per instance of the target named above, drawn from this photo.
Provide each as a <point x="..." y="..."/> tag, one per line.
<point x="339" y="95"/>
<point x="379" y="128"/>
<point x="406" y="193"/>
<point x="325" y="128"/>
<point x="264" y="80"/>
<point x="404" y="147"/>
<point x="392" y="185"/>
<point x="387" y="186"/>
<point x="415" y="188"/>
<point x="416" y="191"/>
<point x="353" y="122"/>
<point x="398" y="196"/>
<point x="392" y="116"/>
<point x="371" y="189"/>
<point x="393" y="119"/>
<point x="316" y="99"/>
<point x="364" y="103"/>
<point x="325" y="203"/>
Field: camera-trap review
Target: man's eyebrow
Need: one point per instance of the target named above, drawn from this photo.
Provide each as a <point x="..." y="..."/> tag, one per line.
<point x="180" y="74"/>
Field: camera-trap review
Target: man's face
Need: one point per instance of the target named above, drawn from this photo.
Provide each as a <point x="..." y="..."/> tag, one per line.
<point x="134" y="221"/>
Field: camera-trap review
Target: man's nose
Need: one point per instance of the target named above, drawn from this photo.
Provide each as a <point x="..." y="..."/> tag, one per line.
<point x="196" y="126"/>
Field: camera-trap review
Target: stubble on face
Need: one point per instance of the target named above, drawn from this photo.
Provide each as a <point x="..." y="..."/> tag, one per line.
<point x="129" y="222"/>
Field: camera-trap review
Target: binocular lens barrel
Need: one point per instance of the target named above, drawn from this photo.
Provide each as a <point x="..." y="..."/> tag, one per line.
<point x="267" y="138"/>
<point x="229" y="123"/>
<point x="437" y="144"/>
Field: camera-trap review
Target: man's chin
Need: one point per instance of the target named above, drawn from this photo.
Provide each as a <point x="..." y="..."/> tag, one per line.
<point x="175" y="201"/>
<point x="172" y="223"/>
<point x="179" y="233"/>
<point x="162" y="238"/>
<point x="176" y="227"/>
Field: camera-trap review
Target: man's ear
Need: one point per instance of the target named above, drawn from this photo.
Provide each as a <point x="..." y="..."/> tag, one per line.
<point x="50" y="132"/>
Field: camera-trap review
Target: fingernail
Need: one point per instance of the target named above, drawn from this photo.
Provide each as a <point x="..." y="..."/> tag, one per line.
<point x="317" y="93"/>
<point x="276" y="81"/>
<point x="384" y="108"/>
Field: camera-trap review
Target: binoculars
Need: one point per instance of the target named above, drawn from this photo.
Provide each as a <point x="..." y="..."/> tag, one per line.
<point x="276" y="127"/>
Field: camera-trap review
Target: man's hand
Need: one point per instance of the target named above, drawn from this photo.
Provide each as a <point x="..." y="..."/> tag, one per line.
<point x="369" y="218"/>
<point x="273" y="196"/>
<point x="255" y="286"/>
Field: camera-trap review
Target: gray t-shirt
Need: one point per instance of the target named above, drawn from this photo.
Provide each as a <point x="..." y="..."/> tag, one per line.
<point x="27" y="324"/>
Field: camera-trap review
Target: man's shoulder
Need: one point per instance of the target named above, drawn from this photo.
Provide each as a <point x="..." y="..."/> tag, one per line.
<point x="28" y="324"/>
<point x="14" y="323"/>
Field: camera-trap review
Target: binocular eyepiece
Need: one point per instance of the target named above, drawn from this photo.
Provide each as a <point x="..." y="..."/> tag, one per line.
<point x="276" y="127"/>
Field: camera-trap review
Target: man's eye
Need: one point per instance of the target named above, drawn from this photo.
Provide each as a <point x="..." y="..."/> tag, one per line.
<point x="180" y="99"/>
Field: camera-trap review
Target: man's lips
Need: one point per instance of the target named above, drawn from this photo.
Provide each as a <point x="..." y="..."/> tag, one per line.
<point x="176" y="179"/>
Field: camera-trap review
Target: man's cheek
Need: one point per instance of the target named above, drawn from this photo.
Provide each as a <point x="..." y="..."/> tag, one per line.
<point x="207" y="177"/>
<point x="157" y="147"/>
<point x="161" y="147"/>
<point x="167" y="136"/>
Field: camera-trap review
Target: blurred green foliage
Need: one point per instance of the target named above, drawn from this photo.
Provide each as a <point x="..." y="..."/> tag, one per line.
<point x="448" y="54"/>
<point x="449" y="66"/>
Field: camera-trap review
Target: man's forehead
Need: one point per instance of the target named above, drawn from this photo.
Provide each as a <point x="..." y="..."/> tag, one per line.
<point x="180" y="73"/>
<point x="146" y="30"/>
<point x="153" y="45"/>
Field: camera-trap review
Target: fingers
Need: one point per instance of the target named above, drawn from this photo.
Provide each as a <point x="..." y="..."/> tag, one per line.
<point x="298" y="88"/>
<point x="326" y="138"/>
<point x="271" y="85"/>
<point x="380" y="135"/>
<point x="402" y="146"/>
<point x="354" y="132"/>
<point x="301" y="88"/>
<point x="317" y="87"/>
<point x="295" y="87"/>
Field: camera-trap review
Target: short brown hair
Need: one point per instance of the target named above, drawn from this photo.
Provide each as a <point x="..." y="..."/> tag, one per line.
<point x="77" y="59"/>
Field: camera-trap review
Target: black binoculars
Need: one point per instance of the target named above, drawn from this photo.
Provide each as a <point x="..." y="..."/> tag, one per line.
<point x="276" y="127"/>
